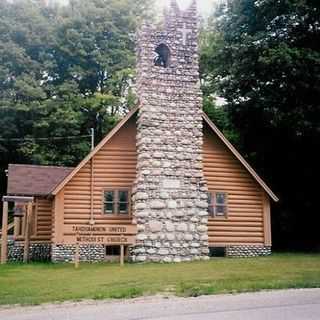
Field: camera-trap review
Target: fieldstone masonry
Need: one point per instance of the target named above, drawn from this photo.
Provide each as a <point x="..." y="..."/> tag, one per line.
<point x="87" y="253"/>
<point x="170" y="193"/>
<point x="247" y="251"/>
<point x="37" y="251"/>
<point x="55" y="253"/>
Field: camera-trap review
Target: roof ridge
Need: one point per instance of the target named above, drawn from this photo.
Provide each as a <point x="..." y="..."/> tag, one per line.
<point x="39" y="166"/>
<point x="236" y="153"/>
<point x="119" y="125"/>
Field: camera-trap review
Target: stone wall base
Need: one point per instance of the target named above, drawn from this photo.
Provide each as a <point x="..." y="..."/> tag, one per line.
<point x="247" y="251"/>
<point x="88" y="253"/>
<point x="40" y="252"/>
<point x="143" y="253"/>
<point x="43" y="252"/>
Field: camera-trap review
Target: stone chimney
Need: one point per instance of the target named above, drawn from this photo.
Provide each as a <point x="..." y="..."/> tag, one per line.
<point x="170" y="194"/>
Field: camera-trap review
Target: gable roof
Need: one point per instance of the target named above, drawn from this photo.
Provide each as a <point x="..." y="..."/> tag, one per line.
<point x="96" y="149"/>
<point x="30" y="180"/>
<point x="211" y="125"/>
<point x="239" y="157"/>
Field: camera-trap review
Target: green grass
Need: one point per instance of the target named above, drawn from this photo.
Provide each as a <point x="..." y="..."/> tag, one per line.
<point x="40" y="283"/>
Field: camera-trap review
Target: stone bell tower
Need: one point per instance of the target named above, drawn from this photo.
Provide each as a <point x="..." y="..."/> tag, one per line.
<point x="170" y="194"/>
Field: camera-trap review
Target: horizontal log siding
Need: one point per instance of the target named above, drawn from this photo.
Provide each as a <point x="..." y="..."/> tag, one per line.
<point x="224" y="172"/>
<point x="43" y="219"/>
<point x="114" y="166"/>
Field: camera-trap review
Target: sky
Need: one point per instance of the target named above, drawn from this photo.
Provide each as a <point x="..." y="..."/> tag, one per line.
<point x="205" y="6"/>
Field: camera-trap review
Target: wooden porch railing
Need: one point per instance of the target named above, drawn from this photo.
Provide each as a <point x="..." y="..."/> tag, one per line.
<point x="10" y="227"/>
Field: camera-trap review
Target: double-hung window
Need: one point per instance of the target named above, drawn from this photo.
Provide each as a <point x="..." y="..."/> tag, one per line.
<point x="116" y="202"/>
<point x="217" y="204"/>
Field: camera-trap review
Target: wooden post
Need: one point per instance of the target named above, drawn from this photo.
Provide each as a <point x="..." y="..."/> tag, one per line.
<point x="121" y="255"/>
<point x="4" y="240"/>
<point x="77" y="253"/>
<point x="267" y="220"/>
<point x="58" y="217"/>
<point x="27" y="233"/>
<point x="77" y="256"/>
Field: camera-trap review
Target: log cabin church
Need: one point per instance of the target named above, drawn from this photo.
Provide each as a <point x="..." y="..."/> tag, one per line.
<point x="165" y="184"/>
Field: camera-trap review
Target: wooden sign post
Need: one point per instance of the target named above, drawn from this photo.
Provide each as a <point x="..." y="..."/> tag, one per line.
<point x="77" y="256"/>
<point x="121" y="255"/>
<point x="4" y="240"/>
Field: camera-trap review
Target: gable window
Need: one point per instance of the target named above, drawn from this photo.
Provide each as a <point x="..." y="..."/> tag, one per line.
<point x="116" y="202"/>
<point x="217" y="204"/>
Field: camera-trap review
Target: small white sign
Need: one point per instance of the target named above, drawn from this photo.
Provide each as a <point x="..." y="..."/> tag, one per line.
<point x="171" y="184"/>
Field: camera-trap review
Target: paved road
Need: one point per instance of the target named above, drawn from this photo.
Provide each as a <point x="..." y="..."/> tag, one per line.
<point x="277" y="305"/>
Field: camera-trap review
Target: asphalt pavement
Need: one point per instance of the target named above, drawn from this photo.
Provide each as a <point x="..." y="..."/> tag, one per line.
<point x="301" y="304"/>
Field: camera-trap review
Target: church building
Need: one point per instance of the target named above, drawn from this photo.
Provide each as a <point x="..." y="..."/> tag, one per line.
<point x="164" y="185"/>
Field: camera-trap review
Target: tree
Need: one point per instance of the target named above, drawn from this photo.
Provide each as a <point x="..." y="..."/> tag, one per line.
<point x="209" y="42"/>
<point x="265" y="62"/>
<point x="63" y="70"/>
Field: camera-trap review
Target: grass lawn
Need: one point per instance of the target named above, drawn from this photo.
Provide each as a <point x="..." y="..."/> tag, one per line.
<point x="40" y="283"/>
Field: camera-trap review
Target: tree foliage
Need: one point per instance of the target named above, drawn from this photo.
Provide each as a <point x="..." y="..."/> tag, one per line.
<point x="216" y="111"/>
<point x="64" y="70"/>
<point x="264" y="59"/>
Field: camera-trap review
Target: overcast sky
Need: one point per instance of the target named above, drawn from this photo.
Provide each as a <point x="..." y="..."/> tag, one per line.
<point x="205" y="6"/>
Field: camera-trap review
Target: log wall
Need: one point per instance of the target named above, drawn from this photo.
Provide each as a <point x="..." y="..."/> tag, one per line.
<point x="43" y="218"/>
<point x="114" y="166"/>
<point x="247" y="201"/>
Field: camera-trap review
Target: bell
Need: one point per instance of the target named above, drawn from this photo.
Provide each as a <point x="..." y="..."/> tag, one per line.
<point x="18" y="210"/>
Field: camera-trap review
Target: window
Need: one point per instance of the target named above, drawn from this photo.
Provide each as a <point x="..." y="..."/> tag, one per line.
<point x="113" y="251"/>
<point x="116" y="202"/>
<point x="217" y="204"/>
<point x="162" y="56"/>
<point x="217" y="252"/>
<point x="109" y="201"/>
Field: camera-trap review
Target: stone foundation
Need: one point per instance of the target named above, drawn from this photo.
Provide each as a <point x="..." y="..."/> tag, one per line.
<point x="88" y="253"/>
<point x="167" y="252"/>
<point x="247" y="251"/>
<point x="40" y="252"/>
<point x="150" y="251"/>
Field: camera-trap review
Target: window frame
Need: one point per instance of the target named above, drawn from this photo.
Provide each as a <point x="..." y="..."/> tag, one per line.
<point x="214" y="205"/>
<point x="116" y="213"/>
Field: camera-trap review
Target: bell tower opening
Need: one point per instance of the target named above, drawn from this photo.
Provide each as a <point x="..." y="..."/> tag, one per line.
<point x="162" y="58"/>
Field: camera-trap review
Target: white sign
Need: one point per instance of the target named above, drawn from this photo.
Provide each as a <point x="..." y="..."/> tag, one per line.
<point x="171" y="184"/>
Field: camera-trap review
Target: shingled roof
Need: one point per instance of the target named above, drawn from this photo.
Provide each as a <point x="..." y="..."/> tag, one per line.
<point x="29" y="180"/>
